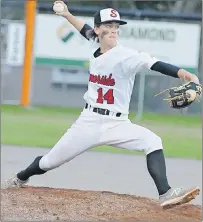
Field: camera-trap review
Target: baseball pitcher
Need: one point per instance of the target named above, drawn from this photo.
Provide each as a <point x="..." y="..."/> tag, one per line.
<point x="104" y="119"/>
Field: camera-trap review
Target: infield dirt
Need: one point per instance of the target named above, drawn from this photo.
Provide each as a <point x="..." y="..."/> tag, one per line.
<point x="50" y="204"/>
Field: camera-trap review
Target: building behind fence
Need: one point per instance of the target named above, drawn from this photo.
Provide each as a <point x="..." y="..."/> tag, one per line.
<point x="62" y="81"/>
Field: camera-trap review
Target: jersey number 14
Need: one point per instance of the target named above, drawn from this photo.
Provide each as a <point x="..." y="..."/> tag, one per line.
<point x="108" y="96"/>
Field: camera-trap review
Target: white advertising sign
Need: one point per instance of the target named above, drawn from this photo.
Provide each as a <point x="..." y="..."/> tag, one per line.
<point x="15" y="44"/>
<point x="58" y="42"/>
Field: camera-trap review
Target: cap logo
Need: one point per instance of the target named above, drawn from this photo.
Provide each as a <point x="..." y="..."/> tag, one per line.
<point x="113" y="13"/>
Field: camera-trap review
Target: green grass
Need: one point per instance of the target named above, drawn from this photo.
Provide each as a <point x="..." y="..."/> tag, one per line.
<point x="43" y="126"/>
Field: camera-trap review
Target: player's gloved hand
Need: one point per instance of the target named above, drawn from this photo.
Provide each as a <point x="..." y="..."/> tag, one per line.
<point x="183" y="96"/>
<point x="65" y="11"/>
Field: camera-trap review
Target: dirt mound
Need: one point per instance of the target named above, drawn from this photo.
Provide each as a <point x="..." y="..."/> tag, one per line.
<point x="48" y="204"/>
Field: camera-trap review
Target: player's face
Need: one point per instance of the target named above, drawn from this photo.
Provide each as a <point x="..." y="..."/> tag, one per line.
<point x="108" y="33"/>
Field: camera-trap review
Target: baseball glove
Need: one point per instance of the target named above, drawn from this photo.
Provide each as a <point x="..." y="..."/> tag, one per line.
<point x="182" y="96"/>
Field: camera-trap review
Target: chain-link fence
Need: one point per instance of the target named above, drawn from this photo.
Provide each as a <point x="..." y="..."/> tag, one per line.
<point x="63" y="83"/>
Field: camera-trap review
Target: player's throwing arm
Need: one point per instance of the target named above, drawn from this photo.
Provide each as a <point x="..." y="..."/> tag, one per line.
<point x="61" y="9"/>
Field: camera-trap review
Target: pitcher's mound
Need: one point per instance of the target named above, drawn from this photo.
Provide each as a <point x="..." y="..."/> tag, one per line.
<point x="49" y="204"/>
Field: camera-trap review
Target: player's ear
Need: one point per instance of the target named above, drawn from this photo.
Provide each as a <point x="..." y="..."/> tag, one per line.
<point x="96" y="30"/>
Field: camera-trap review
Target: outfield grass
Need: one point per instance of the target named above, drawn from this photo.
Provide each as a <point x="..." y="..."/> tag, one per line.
<point x="43" y="126"/>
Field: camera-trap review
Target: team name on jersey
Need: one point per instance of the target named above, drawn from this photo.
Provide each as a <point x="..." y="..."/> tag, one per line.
<point x="103" y="80"/>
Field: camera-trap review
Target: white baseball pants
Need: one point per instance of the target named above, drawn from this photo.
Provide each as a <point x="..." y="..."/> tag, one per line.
<point x="93" y="129"/>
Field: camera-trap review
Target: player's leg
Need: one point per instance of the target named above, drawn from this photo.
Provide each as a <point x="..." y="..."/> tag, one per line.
<point x="83" y="135"/>
<point x="134" y="137"/>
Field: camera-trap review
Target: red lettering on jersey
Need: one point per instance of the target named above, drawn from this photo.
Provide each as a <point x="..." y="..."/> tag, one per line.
<point x="113" y="13"/>
<point x="103" y="80"/>
<point x="108" y="96"/>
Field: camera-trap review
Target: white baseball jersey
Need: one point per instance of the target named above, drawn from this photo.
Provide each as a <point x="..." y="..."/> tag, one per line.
<point x="110" y="87"/>
<point x="112" y="76"/>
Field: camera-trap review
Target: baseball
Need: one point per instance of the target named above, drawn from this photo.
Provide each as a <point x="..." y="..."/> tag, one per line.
<point x="58" y="7"/>
<point x="191" y="94"/>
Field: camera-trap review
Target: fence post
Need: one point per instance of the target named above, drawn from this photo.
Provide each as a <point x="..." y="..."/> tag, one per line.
<point x="141" y="97"/>
<point x="30" y="11"/>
